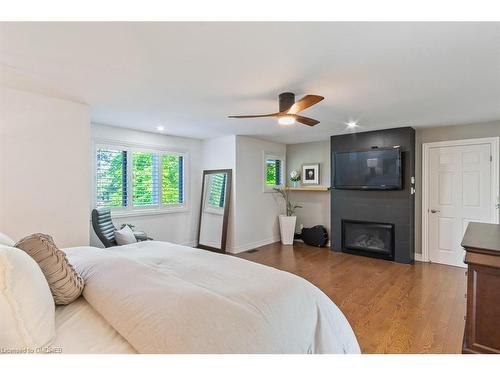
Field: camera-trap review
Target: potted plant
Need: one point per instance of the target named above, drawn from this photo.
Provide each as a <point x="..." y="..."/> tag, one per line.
<point x="288" y="221"/>
<point x="295" y="178"/>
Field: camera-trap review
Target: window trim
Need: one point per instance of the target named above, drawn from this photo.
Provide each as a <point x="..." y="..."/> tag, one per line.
<point x="130" y="147"/>
<point x="270" y="155"/>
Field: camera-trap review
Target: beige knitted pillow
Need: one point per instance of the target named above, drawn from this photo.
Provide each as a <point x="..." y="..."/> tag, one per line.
<point x="65" y="284"/>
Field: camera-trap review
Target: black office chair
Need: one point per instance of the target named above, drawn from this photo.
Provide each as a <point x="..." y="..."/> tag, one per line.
<point x="105" y="230"/>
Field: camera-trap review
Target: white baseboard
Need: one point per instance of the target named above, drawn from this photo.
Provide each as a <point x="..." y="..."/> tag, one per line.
<point x="418" y="258"/>
<point x="252" y="245"/>
<point x="190" y="244"/>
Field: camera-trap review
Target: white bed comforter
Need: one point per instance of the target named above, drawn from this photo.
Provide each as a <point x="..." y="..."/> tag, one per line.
<point x="166" y="298"/>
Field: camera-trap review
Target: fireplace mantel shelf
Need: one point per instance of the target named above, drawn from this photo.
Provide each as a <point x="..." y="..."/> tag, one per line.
<point x="308" y="188"/>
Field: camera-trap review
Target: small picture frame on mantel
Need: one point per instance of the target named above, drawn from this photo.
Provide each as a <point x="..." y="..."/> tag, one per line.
<point x="310" y="174"/>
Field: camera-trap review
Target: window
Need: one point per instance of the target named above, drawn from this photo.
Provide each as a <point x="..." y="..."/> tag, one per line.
<point x="273" y="172"/>
<point x="152" y="178"/>
<point x="111" y="178"/>
<point x="145" y="179"/>
<point x="172" y="179"/>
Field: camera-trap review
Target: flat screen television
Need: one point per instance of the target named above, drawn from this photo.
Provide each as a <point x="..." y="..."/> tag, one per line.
<point x="375" y="169"/>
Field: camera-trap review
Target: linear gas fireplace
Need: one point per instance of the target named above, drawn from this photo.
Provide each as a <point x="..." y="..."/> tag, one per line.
<point x="368" y="238"/>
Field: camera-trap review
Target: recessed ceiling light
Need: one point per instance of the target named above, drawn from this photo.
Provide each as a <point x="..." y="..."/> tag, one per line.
<point x="286" y="120"/>
<point x="160" y="128"/>
<point x="352" y="124"/>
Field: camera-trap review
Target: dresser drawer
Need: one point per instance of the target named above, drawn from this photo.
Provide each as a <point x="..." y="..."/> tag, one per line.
<point x="482" y="330"/>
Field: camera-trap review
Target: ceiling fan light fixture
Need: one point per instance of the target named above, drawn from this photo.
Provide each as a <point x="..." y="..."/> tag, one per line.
<point x="289" y="110"/>
<point x="286" y="120"/>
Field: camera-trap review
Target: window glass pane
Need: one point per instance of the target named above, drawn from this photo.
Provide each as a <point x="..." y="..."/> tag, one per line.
<point x="273" y="172"/>
<point x="111" y="178"/>
<point x="172" y="179"/>
<point x="145" y="174"/>
<point x="217" y="190"/>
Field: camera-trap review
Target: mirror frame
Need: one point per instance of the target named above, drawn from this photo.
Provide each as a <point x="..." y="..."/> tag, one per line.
<point x="226" y="209"/>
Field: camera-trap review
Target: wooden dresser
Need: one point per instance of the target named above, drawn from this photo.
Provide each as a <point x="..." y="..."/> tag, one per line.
<point x="482" y="323"/>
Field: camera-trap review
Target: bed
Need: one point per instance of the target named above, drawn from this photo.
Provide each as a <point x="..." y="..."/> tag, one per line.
<point x="158" y="297"/>
<point x="81" y="330"/>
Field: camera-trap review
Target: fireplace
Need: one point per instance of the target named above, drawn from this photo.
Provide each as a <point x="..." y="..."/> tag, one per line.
<point x="368" y="238"/>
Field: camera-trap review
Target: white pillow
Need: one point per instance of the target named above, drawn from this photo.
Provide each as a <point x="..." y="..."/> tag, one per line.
<point x="6" y="240"/>
<point x="125" y="236"/>
<point x="27" y="308"/>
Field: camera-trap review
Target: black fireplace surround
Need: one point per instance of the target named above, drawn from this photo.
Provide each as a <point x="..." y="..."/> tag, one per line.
<point x="368" y="238"/>
<point x="385" y="210"/>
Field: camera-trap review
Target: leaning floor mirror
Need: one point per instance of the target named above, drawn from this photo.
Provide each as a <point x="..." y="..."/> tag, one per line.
<point x="214" y="212"/>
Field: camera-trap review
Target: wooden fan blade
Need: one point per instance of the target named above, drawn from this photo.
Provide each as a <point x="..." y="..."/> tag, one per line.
<point x="306" y="120"/>
<point x="253" y="116"/>
<point x="306" y="102"/>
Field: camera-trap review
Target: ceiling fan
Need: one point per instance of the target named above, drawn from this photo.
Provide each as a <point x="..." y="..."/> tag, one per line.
<point x="289" y="109"/>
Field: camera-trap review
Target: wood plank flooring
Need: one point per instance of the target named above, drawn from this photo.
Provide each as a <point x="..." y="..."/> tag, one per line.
<point x="393" y="308"/>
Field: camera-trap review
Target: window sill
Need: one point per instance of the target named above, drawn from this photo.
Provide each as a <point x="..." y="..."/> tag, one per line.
<point x="148" y="212"/>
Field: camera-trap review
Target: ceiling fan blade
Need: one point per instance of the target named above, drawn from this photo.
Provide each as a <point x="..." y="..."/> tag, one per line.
<point x="253" y="116"/>
<point x="306" y="120"/>
<point x="306" y="102"/>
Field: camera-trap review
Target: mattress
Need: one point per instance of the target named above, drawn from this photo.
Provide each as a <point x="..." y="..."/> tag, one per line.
<point x="80" y="329"/>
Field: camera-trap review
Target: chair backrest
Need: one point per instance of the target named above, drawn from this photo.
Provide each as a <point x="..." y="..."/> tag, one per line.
<point x="103" y="226"/>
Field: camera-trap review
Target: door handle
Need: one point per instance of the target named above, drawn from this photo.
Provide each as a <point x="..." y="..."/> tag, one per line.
<point x="434" y="211"/>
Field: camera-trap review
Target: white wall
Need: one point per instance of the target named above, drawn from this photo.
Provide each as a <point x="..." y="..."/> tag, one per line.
<point x="253" y="218"/>
<point x="256" y="219"/>
<point x="220" y="153"/>
<point x="176" y="227"/>
<point x="44" y="167"/>
<point x="315" y="205"/>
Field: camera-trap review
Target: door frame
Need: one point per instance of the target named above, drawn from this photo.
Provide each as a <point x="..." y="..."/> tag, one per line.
<point x="426" y="147"/>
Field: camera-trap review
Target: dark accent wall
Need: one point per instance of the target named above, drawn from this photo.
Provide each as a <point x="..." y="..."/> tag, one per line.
<point x="384" y="206"/>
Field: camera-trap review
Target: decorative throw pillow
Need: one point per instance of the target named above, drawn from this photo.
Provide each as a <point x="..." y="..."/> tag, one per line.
<point x="27" y="311"/>
<point x="124" y="236"/>
<point x="65" y="284"/>
<point x="6" y="240"/>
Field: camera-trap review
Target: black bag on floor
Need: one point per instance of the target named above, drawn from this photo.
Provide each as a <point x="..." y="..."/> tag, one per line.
<point x="315" y="236"/>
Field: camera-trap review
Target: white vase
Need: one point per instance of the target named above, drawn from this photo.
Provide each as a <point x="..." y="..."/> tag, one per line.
<point x="287" y="229"/>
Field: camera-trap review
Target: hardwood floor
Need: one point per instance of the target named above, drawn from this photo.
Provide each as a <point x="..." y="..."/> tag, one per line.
<point x="393" y="308"/>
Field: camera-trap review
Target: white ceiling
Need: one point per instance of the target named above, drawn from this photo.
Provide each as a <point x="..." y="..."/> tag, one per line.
<point x="189" y="76"/>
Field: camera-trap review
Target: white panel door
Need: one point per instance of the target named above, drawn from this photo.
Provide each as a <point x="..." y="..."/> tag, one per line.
<point x="459" y="192"/>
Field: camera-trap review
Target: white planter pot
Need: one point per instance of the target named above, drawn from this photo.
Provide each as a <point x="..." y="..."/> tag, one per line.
<point x="287" y="229"/>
